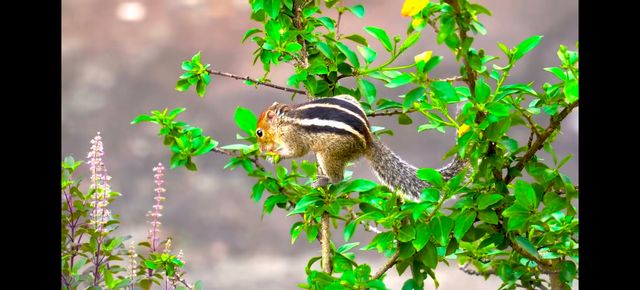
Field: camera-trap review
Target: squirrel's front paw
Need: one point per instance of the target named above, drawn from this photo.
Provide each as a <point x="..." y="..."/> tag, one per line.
<point x="321" y="181"/>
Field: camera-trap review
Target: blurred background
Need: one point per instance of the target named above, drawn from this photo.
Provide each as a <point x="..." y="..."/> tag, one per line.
<point x="122" y="58"/>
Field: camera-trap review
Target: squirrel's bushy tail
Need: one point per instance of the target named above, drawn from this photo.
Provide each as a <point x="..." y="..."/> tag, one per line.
<point x="393" y="171"/>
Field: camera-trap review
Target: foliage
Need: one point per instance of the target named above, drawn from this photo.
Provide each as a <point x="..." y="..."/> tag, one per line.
<point x="93" y="257"/>
<point x="514" y="214"/>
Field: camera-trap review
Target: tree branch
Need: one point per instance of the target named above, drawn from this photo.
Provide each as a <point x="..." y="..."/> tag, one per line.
<point x="257" y="82"/>
<point x="471" y="76"/>
<point x="392" y="261"/>
<point x="553" y="125"/>
<point x="298" y="23"/>
<point x="325" y="243"/>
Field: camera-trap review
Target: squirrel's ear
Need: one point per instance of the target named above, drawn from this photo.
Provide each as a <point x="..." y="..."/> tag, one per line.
<point x="270" y="114"/>
<point x="283" y="110"/>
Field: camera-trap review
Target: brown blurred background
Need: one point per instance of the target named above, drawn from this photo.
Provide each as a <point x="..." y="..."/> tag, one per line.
<point x="122" y="58"/>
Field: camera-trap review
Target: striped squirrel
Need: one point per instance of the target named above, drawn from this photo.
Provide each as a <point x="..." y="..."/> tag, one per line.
<point x="337" y="130"/>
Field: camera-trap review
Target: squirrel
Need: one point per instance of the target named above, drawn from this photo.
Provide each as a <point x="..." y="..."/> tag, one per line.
<point x="337" y="130"/>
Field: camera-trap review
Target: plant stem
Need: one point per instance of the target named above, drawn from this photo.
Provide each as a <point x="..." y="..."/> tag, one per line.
<point x="398" y="67"/>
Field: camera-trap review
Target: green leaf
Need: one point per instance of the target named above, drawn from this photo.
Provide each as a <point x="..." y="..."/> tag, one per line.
<point x="150" y="264"/>
<point x="429" y="256"/>
<point x="249" y="32"/>
<point x="570" y="90"/>
<point x="525" y="195"/>
<point x="430" y="194"/>
<point x="81" y="261"/>
<point x="495" y="238"/>
<point x="367" y="53"/>
<point x="357" y="10"/>
<point x="175" y="112"/>
<point x="431" y="175"/>
<point x="499" y="109"/>
<point x="410" y="41"/>
<point x="198" y="285"/>
<point x="346" y="247"/>
<point x="564" y="160"/>
<point x="406" y="233"/>
<point x="246" y="120"/>
<point x="525" y="46"/>
<point x="296" y="229"/>
<point x="360" y="185"/>
<point x="183" y="85"/>
<point x="517" y="222"/>
<point x="485" y="200"/>
<point x="411" y="97"/>
<point x="257" y="191"/>
<point x="293" y="47"/>
<point x="186" y="65"/>
<point x="568" y="271"/>
<point x="400" y="80"/>
<point x="527" y="246"/>
<point x="404" y="119"/>
<point x="351" y="56"/>
<point x="288" y="4"/>
<point x="381" y="242"/>
<point x="488" y="216"/>
<point x="479" y="8"/>
<point x="142" y="118"/>
<point x="558" y="72"/>
<point x="380" y="35"/>
<point x="201" y="88"/>
<point x="433" y="62"/>
<point x="483" y="90"/>
<point x="445" y="91"/>
<point x="304" y="202"/>
<point x="422" y="236"/>
<point x="357" y="39"/>
<point x="441" y="227"/>
<point x="272" y="7"/>
<point x="328" y="23"/>
<point x="326" y="50"/>
<point x="367" y="90"/>
<point x="349" y="229"/>
<point x="464" y="221"/>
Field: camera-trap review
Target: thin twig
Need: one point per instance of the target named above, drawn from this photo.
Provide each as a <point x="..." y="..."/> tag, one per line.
<point x="451" y="79"/>
<point x="553" y="125"/>
<point x="338" y="25"/>
<point x="257" y="82"/>
<point x="391" y="112"/>
<point x="367" y="226"/>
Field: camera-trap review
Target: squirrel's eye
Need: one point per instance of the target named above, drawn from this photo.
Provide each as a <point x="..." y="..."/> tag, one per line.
<point x="259" y="132"/>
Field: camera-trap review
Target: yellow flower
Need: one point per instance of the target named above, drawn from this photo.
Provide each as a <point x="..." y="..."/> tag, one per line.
<point x="425" y="56"/>
<point x="463" y="129"/>
<point x="413" y="7"/>
<point x="417" y="22"/>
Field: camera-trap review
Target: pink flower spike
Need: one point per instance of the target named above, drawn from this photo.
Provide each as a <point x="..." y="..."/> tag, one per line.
<point x="100" y="215"/>
<point x="159" y="190"/>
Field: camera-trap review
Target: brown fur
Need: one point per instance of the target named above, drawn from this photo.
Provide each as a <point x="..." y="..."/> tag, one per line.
<point x="282" y="135"/>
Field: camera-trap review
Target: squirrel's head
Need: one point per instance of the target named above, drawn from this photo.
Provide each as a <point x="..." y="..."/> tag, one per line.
<point x="267" y="128"/>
